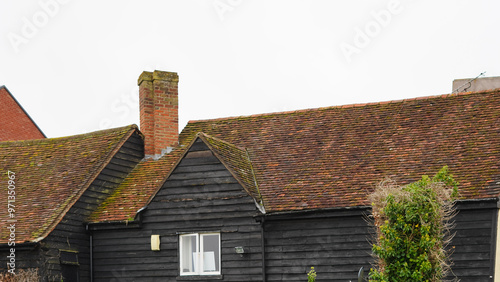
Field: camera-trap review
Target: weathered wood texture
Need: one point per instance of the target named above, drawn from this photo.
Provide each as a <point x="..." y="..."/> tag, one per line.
<point x="25" y="257"/>
<point x="473" y="246"/>
<point x="200" y="195"/>
<point x="336" y="247"/>
<point x="70" y="233"/>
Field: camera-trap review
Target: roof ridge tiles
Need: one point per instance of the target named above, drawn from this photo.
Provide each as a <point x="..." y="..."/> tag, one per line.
<point x="349" y="105"/>
<point x="75" y="137"/>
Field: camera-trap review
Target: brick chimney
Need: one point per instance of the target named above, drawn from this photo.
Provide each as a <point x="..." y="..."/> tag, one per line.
<point x="159" y="107"/>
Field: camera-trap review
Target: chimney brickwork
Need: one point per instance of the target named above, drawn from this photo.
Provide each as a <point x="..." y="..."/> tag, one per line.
<point x="159" y="111"/>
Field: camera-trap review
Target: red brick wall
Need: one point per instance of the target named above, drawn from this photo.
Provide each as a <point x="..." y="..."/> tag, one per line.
<point x="159" y="110"/>
<point x="15" y="124"/>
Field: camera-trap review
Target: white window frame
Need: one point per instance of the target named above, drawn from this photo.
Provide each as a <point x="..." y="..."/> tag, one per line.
<point x="199" y="268"/>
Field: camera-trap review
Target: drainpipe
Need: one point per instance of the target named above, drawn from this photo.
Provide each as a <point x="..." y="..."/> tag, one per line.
<point x="91" y="262"/>
<point x="263" y="249"/>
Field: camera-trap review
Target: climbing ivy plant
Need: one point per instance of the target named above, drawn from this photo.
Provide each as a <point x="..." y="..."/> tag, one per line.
<point x="412" y="228"/>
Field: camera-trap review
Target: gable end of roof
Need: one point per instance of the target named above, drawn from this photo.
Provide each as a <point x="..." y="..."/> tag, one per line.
<point x="56" y="172"/>
<point x="128" y="131"/>
<point x="237" y="161"/>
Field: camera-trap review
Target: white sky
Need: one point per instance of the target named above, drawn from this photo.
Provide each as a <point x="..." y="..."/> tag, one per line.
<point x="73" y="65"/>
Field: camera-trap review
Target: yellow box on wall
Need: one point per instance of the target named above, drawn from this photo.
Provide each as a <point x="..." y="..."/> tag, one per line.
<point x="155" y="242"/>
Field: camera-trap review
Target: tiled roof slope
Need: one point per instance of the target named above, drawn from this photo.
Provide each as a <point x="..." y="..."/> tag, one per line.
<point x="137" y="188"/>
<point x="332" y="157"/>
<point x="15" y="123"/>
<point x="50" y="176"/>
<point x="149" y="175"/>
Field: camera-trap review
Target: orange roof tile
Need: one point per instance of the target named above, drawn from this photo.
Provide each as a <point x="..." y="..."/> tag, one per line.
<point x="50" y="176"/>
<point x="334" y="156"/>
<point x="137" y="188"/>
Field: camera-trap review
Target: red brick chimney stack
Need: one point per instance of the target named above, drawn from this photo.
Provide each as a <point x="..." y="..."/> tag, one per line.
<point x="159" y="109"/>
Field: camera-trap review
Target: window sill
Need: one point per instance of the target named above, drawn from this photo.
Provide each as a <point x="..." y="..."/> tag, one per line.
<point x="200" y="277"/>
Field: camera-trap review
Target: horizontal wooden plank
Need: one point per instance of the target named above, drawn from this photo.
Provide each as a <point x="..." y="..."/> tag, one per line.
<point x="120" y="172"/>
<point x="135" y="139"/>
<point x="229" y="197"/>
<point x="124" y="163"/>
<point x="208" y="167"/>
<point x="199" y="161"/>
<point x="200" y="175"/>
<point x="126" y="157"/>
<point x="133" y="152"/>
<point x="199" y="154"/>
<point x="248" y="209"/>
<point x="198" y="182"/>
<point x="198" y="189"/>
<point x="317" y="223"/>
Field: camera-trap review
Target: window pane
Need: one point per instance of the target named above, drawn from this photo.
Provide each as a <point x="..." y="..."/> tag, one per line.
<point x="211" y="252"/>
<point x="189" y="250"/>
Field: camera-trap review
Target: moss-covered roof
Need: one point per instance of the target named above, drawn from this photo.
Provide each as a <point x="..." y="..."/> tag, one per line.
<point x="148" y="176"/>
<point x="50" y="175"/>
<point x="137" y="188"/>
<point x="333" y="157"/>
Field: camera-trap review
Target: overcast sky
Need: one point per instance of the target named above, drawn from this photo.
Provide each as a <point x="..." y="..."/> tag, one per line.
<point x="73" y="65"/>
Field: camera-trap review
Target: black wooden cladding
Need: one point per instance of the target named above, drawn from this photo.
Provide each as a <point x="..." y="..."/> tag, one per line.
<point x="70" y="233"/>
<point x="473" y="246"/>
<point x="200" y="196"/>
<point x="335" y="247"/>
<point x="338" y="246"/>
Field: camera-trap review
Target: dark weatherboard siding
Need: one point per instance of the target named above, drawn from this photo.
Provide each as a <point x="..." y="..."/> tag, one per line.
<point x="336" y="244"/>
<point x="199" y="196"/>
<point x="70" y="234"/>
<point x="474" y="243"/>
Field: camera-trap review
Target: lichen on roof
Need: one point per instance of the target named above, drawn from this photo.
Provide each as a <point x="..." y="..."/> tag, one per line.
<point x="136" y="189"/>
<point x="333" y="157"/>
<point x="51" y="174"/>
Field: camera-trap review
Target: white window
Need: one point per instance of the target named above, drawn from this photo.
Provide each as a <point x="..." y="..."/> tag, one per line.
<point x="199" y="254"/>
